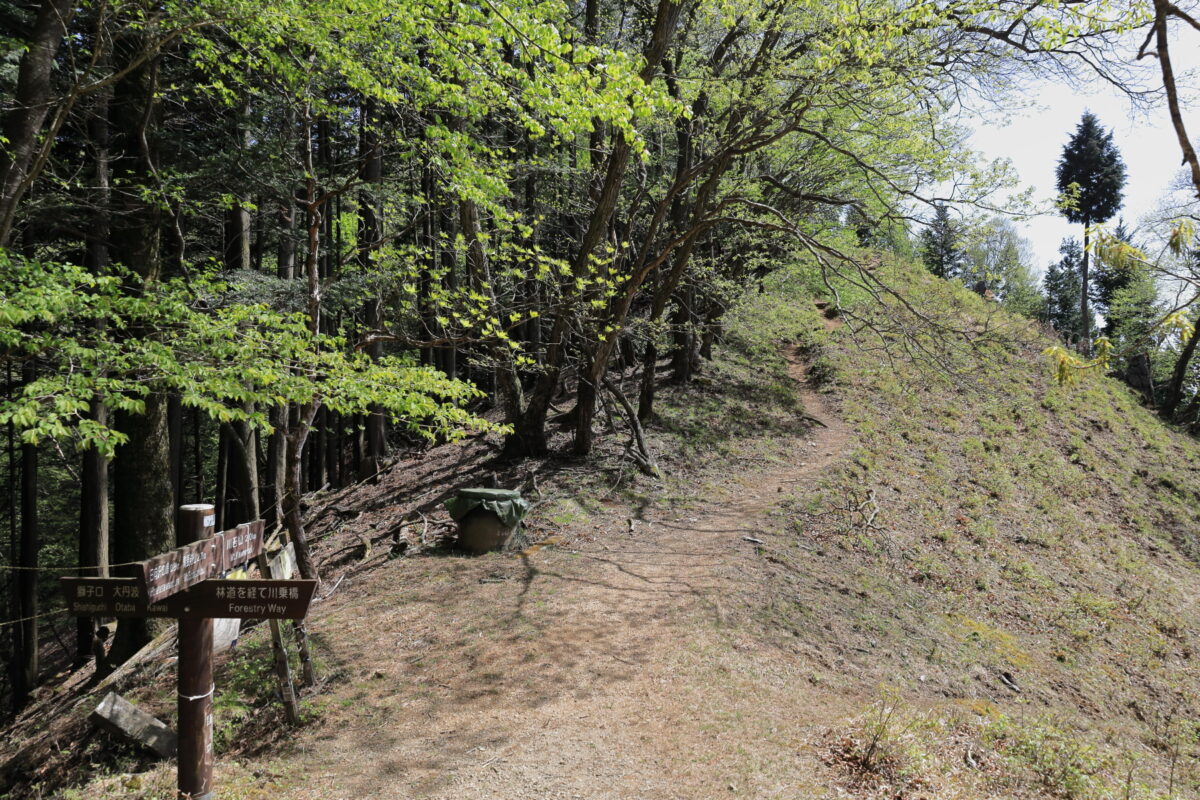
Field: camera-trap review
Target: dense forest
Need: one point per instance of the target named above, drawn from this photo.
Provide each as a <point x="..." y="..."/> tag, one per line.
<point x="251" y="250"/>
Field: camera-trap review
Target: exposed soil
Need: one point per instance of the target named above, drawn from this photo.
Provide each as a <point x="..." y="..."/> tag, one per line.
<point x="603" y="666"/>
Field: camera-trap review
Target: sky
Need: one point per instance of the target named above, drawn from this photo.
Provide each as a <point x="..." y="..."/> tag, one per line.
<point x="1033" y="140"/>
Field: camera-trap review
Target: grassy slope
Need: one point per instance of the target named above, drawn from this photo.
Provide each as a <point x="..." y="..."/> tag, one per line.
<point x="991" y="527"/>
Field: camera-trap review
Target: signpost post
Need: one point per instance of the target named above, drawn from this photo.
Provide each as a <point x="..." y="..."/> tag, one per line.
<point x="183" y="583"/>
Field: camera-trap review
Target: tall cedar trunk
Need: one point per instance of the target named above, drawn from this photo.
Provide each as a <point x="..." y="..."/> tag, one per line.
<point x="25" y="639"/>
<point x="93" y="526"/>
<point x="93" y="502"/>
<point x="175" y="455"/>
<point x="316" y="452"/>
<point x="144" y="519"/>
<point x="683" y="353"/>
<point x="425" y="238"/>
<point x="259" y="227"/>
<point x="143" y="495"/>
<point x="276" y="464"/>
<point x="333" y="449"/>
<point x="449" y="353"/>
<point x="370" y="235"/>
<point x="241" y="469"/>
<point x="237" y="235"/>
<point x="221" y="479"/>
<point x="529" y="431"/>
<point x="285" y="258"/>
<point x="22" y="123"/>
<point x="198" y="493"/>
<point x="237" y="230"/>
<point x="15" y="677"/>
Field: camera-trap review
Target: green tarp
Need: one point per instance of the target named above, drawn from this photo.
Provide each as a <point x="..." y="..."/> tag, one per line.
<point x="506" y="504"/>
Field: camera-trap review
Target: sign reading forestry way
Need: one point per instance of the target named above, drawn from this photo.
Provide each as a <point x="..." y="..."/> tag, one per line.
<point x="183" y="583"/>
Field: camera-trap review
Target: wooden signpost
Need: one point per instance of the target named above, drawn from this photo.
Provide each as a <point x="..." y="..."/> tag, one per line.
<point x="184" y="583"/>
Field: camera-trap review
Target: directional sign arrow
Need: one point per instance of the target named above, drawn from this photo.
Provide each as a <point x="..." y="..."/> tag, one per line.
<point x="178" y="569"/>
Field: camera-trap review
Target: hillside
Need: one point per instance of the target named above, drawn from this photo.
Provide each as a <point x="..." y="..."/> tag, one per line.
<point x="890" y="557"/>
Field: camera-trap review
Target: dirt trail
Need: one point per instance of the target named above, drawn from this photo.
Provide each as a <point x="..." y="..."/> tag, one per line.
<point x="604" y="667"/>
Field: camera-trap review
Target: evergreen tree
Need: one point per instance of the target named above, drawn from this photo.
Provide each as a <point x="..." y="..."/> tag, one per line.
<point x="940" y="246"/>
<point x="1063" y="283"/>
<point x="1091" y="177"/>
<point x="1111" y="279"/>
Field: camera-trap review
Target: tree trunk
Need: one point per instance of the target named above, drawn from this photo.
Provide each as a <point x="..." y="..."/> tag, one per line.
<point x="1174" y="394"/>
<point x="683" y="338"/>
<point x="529" y="430"/>
<point x="143" y="495"/>
<point x="649" y="383"/>
<point x="29" y="106"/>
<point x="1085" y="318"/>
<point x="292" y="514"/>
<point x="221" y="479"/>
<point x="93" y="527"/>
<point x="585" y="414"/>
<point x="299" y="428"/>
<point x="370" y="236"/>
<point x="25" y="657"/>
<point x="277" y="463"/>
<point x="285" y="259"/>
<point x="316" y="452"/>
<point x="175" y="454"/>
<point x="144" y="517"/>
<point x="241" y="470"/>
<point x="93" y="504"/>
<point x="449" y="352"/>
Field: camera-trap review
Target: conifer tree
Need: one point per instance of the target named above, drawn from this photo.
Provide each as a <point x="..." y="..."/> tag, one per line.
<point x="940" y="247"/>
<point x="1063" y="283"/>
<point x="1111" y="278"/>
<point x="1091" y="178"/>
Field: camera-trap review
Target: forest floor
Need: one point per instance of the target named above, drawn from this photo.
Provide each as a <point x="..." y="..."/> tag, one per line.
<point x="608" y="664"/>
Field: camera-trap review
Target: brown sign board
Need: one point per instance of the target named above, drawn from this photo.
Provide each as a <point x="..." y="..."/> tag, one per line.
<point x="250" y="599"/>
<point x="237" y="599"/>
<point x="175" y="571"/>
<point x="112" y="597"/>
<point x="241" y="544"/>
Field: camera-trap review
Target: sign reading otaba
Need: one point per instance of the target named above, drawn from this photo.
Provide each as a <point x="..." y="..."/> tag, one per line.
<point x="112" y="597"/>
